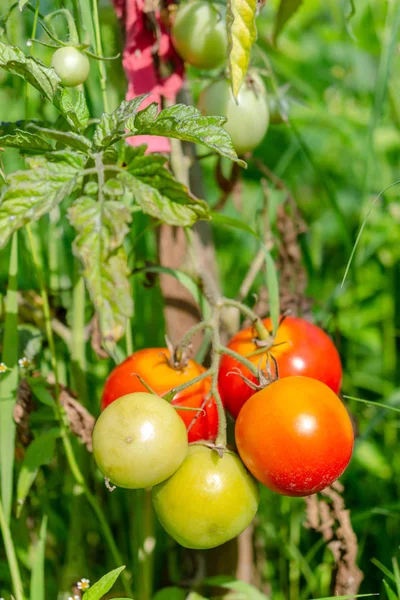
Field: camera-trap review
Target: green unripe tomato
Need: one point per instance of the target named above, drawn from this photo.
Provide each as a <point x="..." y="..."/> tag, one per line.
<point x="71" y="65"/>
<point x="199" y="35"/>
<point x="139" y="440"/>
<point x="208" y="501"/>
<point x="248" y="119"/>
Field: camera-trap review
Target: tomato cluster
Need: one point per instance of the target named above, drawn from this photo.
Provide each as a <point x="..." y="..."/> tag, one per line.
<point x="199" y="36"/>
<point x="294" y="435"/>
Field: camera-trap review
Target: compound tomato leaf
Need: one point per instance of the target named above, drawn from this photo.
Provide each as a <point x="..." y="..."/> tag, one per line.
<point x="37" y="190"/>
<point x="242" y="33"/>
<point x="40" y="452"/>
<point x="101" y="229"/>
<point x="111" y="127"/>
<point x="162" y="197"/>
<point x="13" y="60"/>
<point x="25" y="141"/>
<point x="188" y="124"/>
<point x="66" y="138"/>
<point x="286" y="10"/>
<point x="74" y="109"/>
<point x="104" y="585"/>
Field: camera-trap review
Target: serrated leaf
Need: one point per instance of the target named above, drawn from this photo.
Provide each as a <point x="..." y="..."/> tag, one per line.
<point x="185" y="123"/>
<point x="286" y="10"/>
<point x="37" y="587"/>
<point x="112" y="126"/>
<point x="13" y="137"/>
<point x="40" y="452"/>
<point x="74" y="110"/>
<point x="101" y="230"/>
<point x="162" y="197"/>
<point x="242" y="33"/>
<point x="66" y="138"/>
<point x="113" y="187"/>
<point x="45" y="80"/>
<point x="101" y="587"/>
<point x="37" y="190"/>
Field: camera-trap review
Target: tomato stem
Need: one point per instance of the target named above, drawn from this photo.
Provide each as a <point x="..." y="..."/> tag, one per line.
<point x="262" y="331"/>
<point x="169" y="396"/>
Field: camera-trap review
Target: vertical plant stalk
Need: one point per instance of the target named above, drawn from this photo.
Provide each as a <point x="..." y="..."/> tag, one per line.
<point x="11" y="556"/>
<point x="72" y="462"/>
<point x="9" y="384"/>
<point x="33" y="36"/>
<point x="78" y="346"/>
<point x="99" y="52"/>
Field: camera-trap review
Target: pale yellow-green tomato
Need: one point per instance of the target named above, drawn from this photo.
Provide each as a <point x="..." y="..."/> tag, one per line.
<point x="247" y="119"/>
<point x="199" y="34"/>
<point x="139" y="440"/>
<point x="208" y="501"/>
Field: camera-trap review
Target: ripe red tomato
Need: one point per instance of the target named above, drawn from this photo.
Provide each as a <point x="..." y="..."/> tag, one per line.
<point x="208" y="500"/>
<point x="295" y="436"/>
<point x="300" y="348"/>
<point x="152" y="365"/>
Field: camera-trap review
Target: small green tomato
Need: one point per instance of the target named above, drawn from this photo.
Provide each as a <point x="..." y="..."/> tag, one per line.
<point x="199" y="35"/>
<point x="139" y="440"/>
<point x="71" y="65"/>
<point x="208" y="501"/>
<point x="248" y="119"/>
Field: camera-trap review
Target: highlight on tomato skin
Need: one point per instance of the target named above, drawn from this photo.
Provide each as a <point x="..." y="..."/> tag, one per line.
<point x="153" y="366"/>
<point x="208" y="501"/>
<point x="299" y="347"/>
<point x="295" y="436"/>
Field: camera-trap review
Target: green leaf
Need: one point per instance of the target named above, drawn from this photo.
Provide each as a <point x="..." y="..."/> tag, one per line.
<point x="22" y="3"/>
<point x="37" y="578"/>
<point x="30" y="340"/>
<point x="286" y="10"/>
<point x="9" y="384"/>
<point x="13" y="137"/>
<point x="45" y="80"/>
<point x="245" y="590"/>
<point x="390" y="593"/>
<point x="185" y="123"/>
<point x="74" y="110"/>
<point x="101" y="230"/>
<point x="36" y="191"/>
<point x="40" y="389"/>
<point x="101" y="587"/>
<point x="242" y="33"/>
<point x="159" y="194"/>
<point x="66" y="138"/>
<point x="195" y="596"/>
<point x="112" y="126"/>
<point x="40" y="452"/>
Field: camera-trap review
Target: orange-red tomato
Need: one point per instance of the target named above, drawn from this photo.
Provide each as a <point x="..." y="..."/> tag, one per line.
<point x="300" y="348"/>
<point x="295" y="436"/>
<point x="152" y="365"/>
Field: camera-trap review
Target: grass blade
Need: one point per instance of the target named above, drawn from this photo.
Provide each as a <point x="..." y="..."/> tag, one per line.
<point x="11" y="556"/>
<point x="8" y="384"/>
<point x="37" y="577"/>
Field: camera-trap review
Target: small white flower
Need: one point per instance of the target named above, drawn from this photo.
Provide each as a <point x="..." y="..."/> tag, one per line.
<point x="24" y="362"/>
<point x="3" y="369"/>
<point x="83" y="584"/>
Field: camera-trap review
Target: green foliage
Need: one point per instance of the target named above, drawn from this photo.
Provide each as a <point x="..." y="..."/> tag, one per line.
<point x="242" y="33"/>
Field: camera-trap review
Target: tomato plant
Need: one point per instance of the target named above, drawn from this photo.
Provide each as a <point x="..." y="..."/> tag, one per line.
<point x="139" y="441"/>
<point x="295" y="436"/>
<point x="208" y="501"/>
<point x="71" y="65"/>
<point x="153" y="365"/>
<point x="199" y="35"/>
<point x="247" y="119"/>
<point x="299" y="347"/>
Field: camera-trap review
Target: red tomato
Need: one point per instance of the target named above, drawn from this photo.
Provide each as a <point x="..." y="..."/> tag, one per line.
<point x="152" y="365"/>
<point x="295" y="436"/>
<point x="300" y="348"/>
